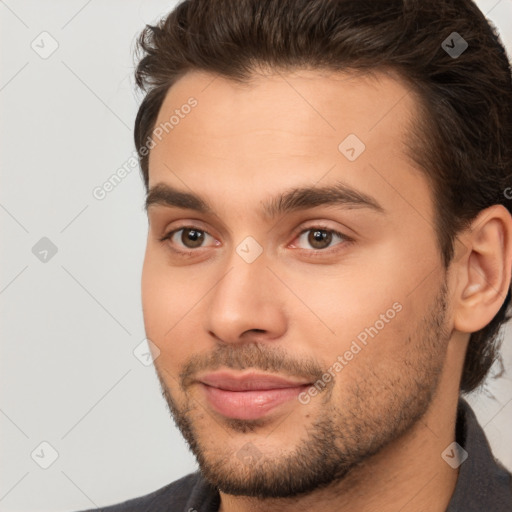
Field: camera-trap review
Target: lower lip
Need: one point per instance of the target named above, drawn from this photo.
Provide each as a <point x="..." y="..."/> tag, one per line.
<point x="249" y="405"/>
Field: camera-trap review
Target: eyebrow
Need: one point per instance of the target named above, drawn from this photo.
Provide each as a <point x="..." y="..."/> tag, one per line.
<point x="299" y="198"/>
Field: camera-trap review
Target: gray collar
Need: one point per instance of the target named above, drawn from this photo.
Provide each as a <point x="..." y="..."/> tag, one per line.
<point x="483" y="484"/>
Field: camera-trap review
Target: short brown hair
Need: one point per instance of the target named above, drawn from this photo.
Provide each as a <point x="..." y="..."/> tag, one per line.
<point x="463" y="140"/>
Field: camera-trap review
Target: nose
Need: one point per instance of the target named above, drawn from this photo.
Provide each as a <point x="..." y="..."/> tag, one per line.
<point x="247" y="303"/>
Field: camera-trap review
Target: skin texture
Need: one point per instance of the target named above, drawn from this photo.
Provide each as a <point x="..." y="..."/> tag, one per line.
<point x="389" y="413"/>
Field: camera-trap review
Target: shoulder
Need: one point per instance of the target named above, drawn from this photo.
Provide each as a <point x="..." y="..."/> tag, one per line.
<point x="173" y="495"/>
<point x="483" y="483"/>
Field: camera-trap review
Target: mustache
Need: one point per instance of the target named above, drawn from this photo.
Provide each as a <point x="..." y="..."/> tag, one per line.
<point x="255" y="356"/>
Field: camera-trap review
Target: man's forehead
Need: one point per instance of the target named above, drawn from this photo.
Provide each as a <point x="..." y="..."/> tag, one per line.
<point x="306" y="114"/>
<point x="328" y="99"/>
<point x="339" y="125"/>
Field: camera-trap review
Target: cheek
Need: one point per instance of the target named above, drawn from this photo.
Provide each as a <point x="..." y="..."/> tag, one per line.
<point x="366" y="317"/>
<point x="346" y="301"/>
<point x="164" y="291"/>
<point x="155" y="296"/>
<point x="164" y="301"/>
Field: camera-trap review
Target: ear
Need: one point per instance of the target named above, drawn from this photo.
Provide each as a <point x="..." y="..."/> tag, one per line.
<point x="483" y="268"/>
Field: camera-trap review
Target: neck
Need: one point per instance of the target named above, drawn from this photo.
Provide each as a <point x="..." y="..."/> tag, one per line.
<point x="408" y="474"/>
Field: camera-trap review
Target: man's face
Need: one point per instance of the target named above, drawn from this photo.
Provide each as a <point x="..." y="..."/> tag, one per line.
<point x="296" y="337"/>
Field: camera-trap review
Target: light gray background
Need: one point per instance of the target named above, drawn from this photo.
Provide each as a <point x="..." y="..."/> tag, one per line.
<point x="68" y="374"/>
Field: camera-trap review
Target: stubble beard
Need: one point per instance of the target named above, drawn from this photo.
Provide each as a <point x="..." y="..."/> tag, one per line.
<point x="376" y="410"/>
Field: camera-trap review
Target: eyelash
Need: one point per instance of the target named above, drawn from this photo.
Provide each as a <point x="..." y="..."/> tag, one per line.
<point x="314" y="252"/>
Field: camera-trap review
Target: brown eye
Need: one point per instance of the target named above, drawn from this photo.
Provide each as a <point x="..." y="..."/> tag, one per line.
<point x="192" y="238"/>
<point x="319" y="238"/>
<point x="186" y="237"/>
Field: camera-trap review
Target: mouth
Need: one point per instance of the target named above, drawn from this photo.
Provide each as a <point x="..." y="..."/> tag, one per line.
<point x="248" y="396"/>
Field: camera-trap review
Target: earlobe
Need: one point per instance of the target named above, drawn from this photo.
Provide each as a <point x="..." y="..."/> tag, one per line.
<point x="485" y="270"/>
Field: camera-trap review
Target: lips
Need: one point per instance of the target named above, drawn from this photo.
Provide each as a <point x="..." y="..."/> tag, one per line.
<point x="248" y="396"/>
<point x="248" y="382"/>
